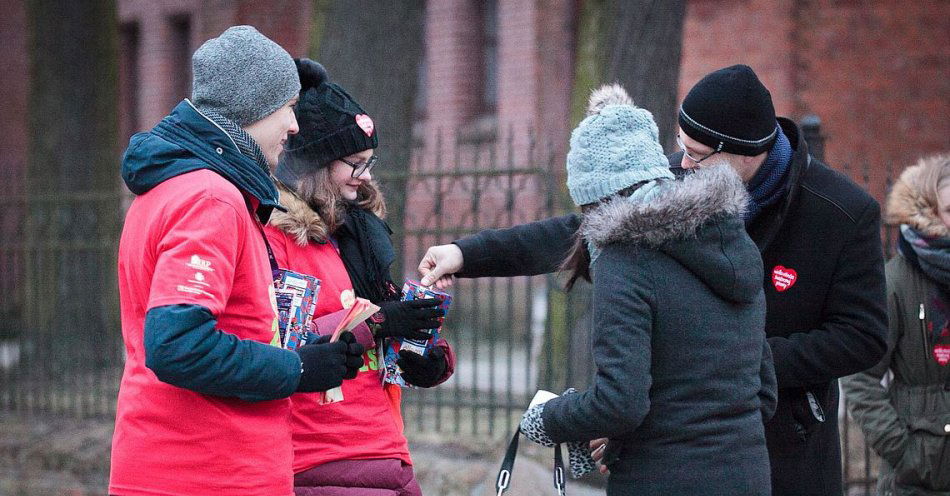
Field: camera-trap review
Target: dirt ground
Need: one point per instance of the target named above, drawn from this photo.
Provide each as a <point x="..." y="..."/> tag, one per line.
<point x="53" y="456"/>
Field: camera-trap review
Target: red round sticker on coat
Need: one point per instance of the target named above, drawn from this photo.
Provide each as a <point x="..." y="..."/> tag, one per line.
<point x="783" y="278"/>
<point x="942" y="353"/>
<point x="365" y="123"/>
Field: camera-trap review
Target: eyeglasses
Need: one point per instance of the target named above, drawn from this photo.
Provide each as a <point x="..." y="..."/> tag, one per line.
<point x="360" y="168"/>
<point x="679" y="141"/>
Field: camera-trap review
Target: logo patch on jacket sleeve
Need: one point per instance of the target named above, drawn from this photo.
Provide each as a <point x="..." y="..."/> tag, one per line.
<point x="783" y="278"/>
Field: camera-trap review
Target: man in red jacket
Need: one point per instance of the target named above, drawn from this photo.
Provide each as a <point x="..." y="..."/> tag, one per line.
<point x="202" y="406"/>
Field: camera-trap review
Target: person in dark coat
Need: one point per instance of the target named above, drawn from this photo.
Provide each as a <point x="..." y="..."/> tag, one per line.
<point x="819" y="237"/>
<point x="907" y="422"/>
<point x="681" y="382"/>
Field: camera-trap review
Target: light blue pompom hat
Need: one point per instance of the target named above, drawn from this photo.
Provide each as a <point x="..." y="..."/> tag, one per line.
<point x="615" y="147"/>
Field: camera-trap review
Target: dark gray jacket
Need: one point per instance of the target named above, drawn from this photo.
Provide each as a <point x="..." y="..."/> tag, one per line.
<point x="684" y="374"/>
<point x="831" y="322"/>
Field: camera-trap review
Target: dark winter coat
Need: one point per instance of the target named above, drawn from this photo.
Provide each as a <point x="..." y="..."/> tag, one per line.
<point x="907" y="422"/>
<point x="681" y="382"/>
<point x="828" y="323"/>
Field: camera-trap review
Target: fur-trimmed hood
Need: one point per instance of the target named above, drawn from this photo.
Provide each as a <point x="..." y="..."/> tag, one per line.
<point x="697" y="221"/>
<point x="907" y="202"/>
<point x="299" y="221"/>
<point x="679" y="209"/>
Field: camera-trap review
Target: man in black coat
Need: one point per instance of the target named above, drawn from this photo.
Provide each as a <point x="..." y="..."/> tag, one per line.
<point x="819" y="236"/>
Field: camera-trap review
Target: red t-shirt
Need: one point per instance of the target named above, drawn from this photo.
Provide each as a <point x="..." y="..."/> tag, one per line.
<point x="367" y="424"/>
<point x="192" y="240"/>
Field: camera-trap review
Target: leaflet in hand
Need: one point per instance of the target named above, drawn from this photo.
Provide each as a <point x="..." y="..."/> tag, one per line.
<point x="360" y="311"/>
<point x="412" y="290"/>
<point x="296" y="301"/>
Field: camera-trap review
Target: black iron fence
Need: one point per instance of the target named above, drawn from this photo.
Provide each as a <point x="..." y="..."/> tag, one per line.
<point x="60" y="345"/>
<point x="60" y="340"/>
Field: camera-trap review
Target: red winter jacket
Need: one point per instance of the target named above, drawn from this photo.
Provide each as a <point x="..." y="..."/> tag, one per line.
<point x="367" y="424"/>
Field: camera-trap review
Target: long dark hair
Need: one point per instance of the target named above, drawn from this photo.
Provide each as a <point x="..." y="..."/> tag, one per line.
<point x="577" y="262"/>
<point x="578" y="258"/>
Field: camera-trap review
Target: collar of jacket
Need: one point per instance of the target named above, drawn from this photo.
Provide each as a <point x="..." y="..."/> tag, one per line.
<point x="677" y="212"/>
<point x="185" y="141"/>
<point x="696" y="221"/>
<point x="298" y="220"/>
<point x="906" y="205"/>
<point x="768" y="224"/>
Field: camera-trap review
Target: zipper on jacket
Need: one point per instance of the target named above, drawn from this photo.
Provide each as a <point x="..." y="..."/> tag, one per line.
<point x="923" y="329"/>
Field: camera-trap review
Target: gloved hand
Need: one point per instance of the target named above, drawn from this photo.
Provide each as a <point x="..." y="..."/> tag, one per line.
<point x="532" y="427"/>
<point x="423" y="371"/>
<point x="406" y="319"/>
<point x="354" y="355"/>
<point x="324" y="365"/>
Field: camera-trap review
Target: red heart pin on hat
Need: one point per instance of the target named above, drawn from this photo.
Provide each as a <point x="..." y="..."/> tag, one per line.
<point x="365" y="123"/>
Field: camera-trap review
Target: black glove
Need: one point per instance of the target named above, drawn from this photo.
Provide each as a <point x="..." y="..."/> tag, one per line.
<point x="423" y="371"/>
<point x="324" y="365"/>
<point x="354" y="355"/>
<point x="406" y="319"/>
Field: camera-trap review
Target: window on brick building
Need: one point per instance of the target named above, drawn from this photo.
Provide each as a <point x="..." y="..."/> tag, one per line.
<point x="181" y="50"/>
<point x="129" y="37"/>
<point x="489" y="55"/>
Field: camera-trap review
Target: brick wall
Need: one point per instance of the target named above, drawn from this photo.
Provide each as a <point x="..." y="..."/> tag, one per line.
<point x="874" y="71"/>
<point x="164" y="61"/>
<point x="719" y="33"/>
<point x="878" y="75"/>
<point x="14" y="123"/>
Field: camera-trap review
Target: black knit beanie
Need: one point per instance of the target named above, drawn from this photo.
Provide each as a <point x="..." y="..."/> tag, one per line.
<point x="332" y="125"/>
<point x="730" y="110"/>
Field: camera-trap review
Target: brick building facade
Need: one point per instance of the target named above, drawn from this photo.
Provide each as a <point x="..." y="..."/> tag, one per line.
<point x="875" y="71"/>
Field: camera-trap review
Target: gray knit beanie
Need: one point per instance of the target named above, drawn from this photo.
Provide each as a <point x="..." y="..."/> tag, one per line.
<point x="615" y="147"/>
<point x="243" y="75"/>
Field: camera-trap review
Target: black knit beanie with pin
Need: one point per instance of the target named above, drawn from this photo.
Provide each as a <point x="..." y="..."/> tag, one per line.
<point x="731" y="111"/>
<point x="332" y="125"/>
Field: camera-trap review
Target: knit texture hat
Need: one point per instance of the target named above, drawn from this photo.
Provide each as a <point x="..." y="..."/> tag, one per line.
<point x="613" y="148"/>
<point x="731" y="111"/>
<point x="243" y="75"/>
<point x="332" y="125"/>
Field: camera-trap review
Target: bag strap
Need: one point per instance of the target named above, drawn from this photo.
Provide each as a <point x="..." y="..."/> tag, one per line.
<point x="270" y="252"/>
<point x="559" y="471"/>
<point x="504" y="473"/>
<point x="508" y="463"/>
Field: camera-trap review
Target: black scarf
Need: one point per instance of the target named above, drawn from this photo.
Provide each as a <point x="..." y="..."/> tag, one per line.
<point x="367" y="253"/>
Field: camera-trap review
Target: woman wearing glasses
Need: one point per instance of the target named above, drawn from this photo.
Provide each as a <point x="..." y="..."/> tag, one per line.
<point x="333" y="230"/>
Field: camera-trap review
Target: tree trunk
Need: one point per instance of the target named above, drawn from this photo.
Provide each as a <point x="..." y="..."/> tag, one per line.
<point x="636" y="43"/>
<point x="374" y="50"/>
<point x="72" y="183"/>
